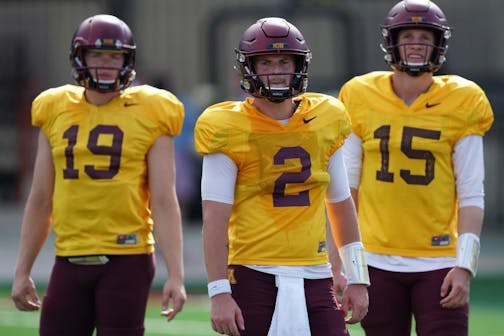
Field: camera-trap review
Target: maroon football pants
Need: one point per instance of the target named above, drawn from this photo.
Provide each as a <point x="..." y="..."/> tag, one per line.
<point x="111" y="298"/>
<point x="255" y="293"/>
<point x="394" y="297"/>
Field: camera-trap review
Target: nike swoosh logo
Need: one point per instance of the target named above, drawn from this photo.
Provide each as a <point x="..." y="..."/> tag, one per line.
<point x="427" y="105"/>
<point x="127" y="104"/>
<point x="306" y="121"/>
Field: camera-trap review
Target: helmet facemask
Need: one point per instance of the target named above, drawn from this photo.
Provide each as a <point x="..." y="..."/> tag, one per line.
<point x="88" y="76"/>
<point x="433" y="54"/>
<point x="251" y="82"/>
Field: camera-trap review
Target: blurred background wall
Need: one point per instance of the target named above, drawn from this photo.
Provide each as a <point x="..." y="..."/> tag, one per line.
<point x="187" y="46"/>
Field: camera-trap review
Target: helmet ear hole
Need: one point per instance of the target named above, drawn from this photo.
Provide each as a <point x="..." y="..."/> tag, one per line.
<point x="272" y="35"/>
<point x="102" y="32"/>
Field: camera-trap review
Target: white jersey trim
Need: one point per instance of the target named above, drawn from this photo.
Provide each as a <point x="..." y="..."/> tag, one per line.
<point x="408" y="264"/>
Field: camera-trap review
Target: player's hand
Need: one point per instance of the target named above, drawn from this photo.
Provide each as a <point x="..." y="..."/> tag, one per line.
<point x="175" y="292"/>
<point x="339" y="285"/>
<point x="24" y="294"/>
<point x="455" y="288"/>
<point x="355" y="299"/>
<point x="226" y="316"/>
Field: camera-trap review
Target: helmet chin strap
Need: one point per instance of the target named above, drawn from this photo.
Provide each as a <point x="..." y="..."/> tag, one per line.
<point x="276" y="100"/>
<point x="107" y="85"/>
<point x="413" y="73"/>
<point x="110" y="85"/>
<point x="275" y="95"/>
<point x="414" y="69"/>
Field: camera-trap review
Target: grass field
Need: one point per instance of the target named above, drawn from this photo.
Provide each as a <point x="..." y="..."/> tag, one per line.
<point x="486" y="319"/>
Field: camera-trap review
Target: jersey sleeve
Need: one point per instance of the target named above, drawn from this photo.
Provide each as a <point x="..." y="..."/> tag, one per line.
<point x="346" y="92"/>
<point x="343" y="122"/>
<point x="38" y="111"/>
<point x="168" y="110"/>
<point x="207" y="136"/>
<point x="221" y="129"/>
<point x="479" y="113"/>
<point x="43" y="107"/>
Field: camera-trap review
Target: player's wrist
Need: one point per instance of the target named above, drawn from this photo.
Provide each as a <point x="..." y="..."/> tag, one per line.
<point x="468" y="249"/>
<point x="218" y="287"/>
<point x="354" y="264"/>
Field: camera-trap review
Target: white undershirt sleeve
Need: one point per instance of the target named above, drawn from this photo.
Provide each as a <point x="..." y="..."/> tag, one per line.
<point x="467" y="164"/>
<point x="352" y="153"/>
<point x="218" y="178"/>
<point x="469" y="171"/>
<point x="338" y="189"/>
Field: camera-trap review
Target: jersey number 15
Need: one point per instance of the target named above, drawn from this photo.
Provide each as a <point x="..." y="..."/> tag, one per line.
<point x="383" y="133"/>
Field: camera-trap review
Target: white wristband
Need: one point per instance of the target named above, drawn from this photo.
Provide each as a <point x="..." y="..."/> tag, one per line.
<point x="218" y="287"/>
<point x="468" y="249"/>
<point x="354" y="263"/>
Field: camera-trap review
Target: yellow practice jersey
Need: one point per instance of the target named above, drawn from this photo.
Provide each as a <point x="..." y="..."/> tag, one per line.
<point x="278" y="215"/>
<point x="101" y="198"/>
<point x="407" y="196"/>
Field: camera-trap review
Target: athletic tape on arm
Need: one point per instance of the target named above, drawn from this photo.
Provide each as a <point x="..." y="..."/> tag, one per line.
<point x="354" y="263"/>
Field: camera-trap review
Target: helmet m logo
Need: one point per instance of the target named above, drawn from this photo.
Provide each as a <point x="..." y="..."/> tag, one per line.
<point x="417" y="19"/>
<point x="278" y="45"/>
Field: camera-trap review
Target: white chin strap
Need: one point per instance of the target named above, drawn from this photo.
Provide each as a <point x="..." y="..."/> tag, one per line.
<point x="416" y="64"/>
<point x="104" y="81"/>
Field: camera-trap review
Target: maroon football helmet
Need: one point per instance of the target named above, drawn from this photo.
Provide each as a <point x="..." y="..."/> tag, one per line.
<point x="102" y="32"/>
<point x="412" y="14"/>
<point x="272" y="36"/>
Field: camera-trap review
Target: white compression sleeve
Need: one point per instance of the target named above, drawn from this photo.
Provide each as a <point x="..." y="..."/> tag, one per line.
<point x="469" y="171"/>
<point x="218" y="178"/>
<point x="352" y="153"/>
<point x="338" y="189"/>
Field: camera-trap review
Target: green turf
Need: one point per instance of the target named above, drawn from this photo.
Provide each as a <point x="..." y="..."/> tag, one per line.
<point x="486" y="319"/>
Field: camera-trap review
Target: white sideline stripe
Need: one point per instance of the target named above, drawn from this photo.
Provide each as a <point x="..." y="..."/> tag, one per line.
<point x="30" y="320"/>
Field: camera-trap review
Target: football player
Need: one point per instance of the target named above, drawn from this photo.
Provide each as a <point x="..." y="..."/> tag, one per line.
<point x="104" y="177"/>
<point x="270" y="163"/>
<point x="415" y="165"/>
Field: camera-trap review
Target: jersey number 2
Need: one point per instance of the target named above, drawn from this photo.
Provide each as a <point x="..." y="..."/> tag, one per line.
<point x="280" y="199"/>
<point x="114" y="151"/>
<point x="383" y="133"/>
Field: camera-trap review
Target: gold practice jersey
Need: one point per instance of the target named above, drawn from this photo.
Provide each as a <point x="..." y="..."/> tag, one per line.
<point x="101" y="198"/>
<point x="278" y="215"/>
<point x="407" y="196"/>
